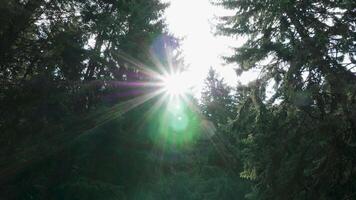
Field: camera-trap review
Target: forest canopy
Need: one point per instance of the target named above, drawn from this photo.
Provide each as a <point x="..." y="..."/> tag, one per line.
<point x="96" y="103"/>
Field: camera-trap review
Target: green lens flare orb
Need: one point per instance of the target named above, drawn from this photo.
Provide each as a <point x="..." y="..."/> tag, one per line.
<point x="176" y="124"/>
<point x="177" y="118"/>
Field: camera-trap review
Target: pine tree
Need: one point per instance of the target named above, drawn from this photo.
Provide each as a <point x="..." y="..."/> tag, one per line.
<point x="297" y="144"/>
<point x="62" y="65"/>
<point x="217" y="101"/>
<point x="219" y="105"/>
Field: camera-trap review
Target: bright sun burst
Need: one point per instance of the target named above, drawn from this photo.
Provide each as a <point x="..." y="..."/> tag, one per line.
<point x="176" y="84"/>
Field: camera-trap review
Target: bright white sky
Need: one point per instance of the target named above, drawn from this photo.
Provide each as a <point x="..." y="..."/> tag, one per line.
<point x="194" y="21"/>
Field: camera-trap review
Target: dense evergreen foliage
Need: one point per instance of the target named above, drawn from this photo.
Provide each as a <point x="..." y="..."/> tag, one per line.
<point x="217" y="99"/>
<point x="66" y="69"/>
<point x="299" y="143"/>
<point x="83" y="115"/>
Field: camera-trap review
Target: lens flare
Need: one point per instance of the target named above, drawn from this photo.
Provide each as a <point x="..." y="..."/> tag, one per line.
<point x="174" y="124"/>
<point x="175" y="84"/>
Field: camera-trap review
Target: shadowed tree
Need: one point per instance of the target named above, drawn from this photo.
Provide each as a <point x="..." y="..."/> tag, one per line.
<point x="62" y="65"/>
<point x="298" y="143"/>
<point x="217" y="100"/>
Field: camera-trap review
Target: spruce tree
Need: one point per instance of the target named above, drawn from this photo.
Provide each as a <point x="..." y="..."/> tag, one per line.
<point x="217" y="100"/>
<point x="297" y="144"/>
<point x="62" y="96"/>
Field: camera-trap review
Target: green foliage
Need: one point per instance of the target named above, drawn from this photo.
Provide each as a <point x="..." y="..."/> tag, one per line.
<point x="298" y="143"/>
<point x="60" y="67"/>
<point x="71" y="127"/>
<point x="218" y="104"/>
<point x="69" y="121"/>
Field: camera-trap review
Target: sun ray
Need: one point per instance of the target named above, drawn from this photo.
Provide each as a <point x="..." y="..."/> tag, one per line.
<point x="141" y="66"/>
<point x="149" y="114"/>
<point x="124" y="107"/>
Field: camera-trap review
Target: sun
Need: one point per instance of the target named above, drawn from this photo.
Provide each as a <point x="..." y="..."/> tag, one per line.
<point x="176" y="84"/>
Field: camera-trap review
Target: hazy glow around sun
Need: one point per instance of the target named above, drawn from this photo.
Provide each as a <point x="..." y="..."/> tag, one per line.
<point x="173" y="84"/>
<point x="177" y="84"/>
<point x="194" y="20"/>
